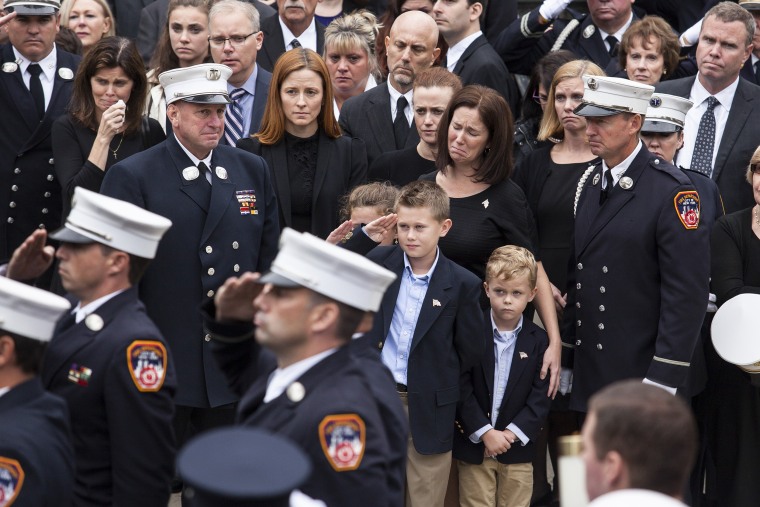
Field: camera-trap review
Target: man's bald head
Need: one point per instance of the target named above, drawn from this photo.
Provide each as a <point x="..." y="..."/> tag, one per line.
<point x="411" y="47"/>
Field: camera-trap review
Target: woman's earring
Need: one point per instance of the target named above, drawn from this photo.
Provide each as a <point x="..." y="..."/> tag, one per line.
<point x="486" y="151"/>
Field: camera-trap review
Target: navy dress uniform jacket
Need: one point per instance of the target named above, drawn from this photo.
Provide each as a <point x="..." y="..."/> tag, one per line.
<point x="341" y="384"/>
<point x="524" y="402"/>
<point x="29" y="192"/>
<point x="35" y="436"/>
<point x="211" y="239"/>
<point x="341" y="166"/>
<point x="740" y="138"/>
<point x="447" y="342"/>
<point x="121" y="409"/>
<point x="526" y="40"/>
<point x="638" y="291"/>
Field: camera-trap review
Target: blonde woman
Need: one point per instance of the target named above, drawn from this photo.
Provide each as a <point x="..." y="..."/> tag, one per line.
<point x="91" y="20"/>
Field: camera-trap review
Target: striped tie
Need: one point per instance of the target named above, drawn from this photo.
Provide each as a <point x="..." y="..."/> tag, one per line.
<point x="233" y="118"/>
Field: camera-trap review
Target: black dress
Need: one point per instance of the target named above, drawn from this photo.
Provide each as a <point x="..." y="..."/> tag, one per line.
<point x="497" y="216"/>
<point x="400" y="167"/>
<point x="72" y="143"/>
<point x="550" y="190"/>
<point x="302" y="166"/>
<point x="734" y="402"/>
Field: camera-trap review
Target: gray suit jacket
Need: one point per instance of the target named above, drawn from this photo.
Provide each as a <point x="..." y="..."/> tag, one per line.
<point x="368" y="117"/>
<point x="740" y="138"/>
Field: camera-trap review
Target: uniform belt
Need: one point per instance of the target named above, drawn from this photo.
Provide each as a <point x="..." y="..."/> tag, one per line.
<point x="401" y="388"/>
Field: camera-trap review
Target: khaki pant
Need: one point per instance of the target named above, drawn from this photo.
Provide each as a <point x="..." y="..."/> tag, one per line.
<point x="493" y="484"/>
<point x="427" y="475"/>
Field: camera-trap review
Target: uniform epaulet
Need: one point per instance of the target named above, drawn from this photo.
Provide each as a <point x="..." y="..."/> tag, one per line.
<point x="668" y="168"/>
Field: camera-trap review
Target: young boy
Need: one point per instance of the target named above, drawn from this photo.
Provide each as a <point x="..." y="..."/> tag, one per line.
<point x="427" y="332"/>
<point x="504" y="412"/>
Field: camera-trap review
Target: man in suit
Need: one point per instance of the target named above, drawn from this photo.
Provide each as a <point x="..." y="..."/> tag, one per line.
<point x="470" y="56"/>
<point x="224" y="211"/>
<point x="298" y="377"/>
<point x="248" y="86"/>
<point x="36" y="457"/>
<point x="593" y="36"/>
<point x="638" y="224"/>
<point x="382" y="116"/>
<point x="720" y="134"/>
<point x="153" y="22"/>
<point x="107" y="358"/>
<point x="29" y="193"/>
<point x="293" y="27"/>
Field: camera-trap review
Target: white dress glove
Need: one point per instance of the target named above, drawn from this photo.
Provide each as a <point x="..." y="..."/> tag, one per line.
<point x="550" y="9"/>
<point x="691" y="35"/>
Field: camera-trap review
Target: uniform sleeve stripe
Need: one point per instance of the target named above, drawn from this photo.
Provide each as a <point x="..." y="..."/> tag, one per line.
<point x="670" y="361"/>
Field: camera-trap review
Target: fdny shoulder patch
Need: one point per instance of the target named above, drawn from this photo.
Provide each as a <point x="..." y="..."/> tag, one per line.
<point x="688" y="208"/>
<point x="146" y="361"/>
<point x="343" y="438"/>
<point x="11" y="480"/>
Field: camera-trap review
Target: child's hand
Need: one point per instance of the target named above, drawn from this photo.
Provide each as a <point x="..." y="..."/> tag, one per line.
<point x="496" y="443"/>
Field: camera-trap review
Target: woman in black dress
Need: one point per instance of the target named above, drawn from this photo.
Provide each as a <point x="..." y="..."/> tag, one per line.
<point x="105" y="123"/>
<point x="312" y="164"/>
<point x="488" y="209"/>
<point x="734" y="440"/>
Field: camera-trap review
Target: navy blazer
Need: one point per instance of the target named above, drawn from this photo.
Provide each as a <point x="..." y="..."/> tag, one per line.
<point x="29" y="192"/>
<point x="447" y="342"/>
<point x="640" y="281"/>
<point x="368" y="117"/>
<point x="263" y="78"/>
<point x="524" y="403"/>
<point x="341" y="166"/>
<point x="211" y="239"/>
<point x="740" y="138"/>
<point x="36" y="435"/>
<point x="121" y="424"/>
<point x="274" y="42"/>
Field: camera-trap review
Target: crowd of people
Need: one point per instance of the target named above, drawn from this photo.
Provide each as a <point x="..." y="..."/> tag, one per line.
<point x="412" y="242"/>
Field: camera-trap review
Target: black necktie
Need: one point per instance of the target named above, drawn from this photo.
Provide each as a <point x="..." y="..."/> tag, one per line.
<point x="613" y="42"/>
<point x="401" y="124"/>
<point x="35" y="86"/>
<point x="608" y="186"/>
<point x="757" y="72"/>
<point x="295" y="44"/>
<point x="205" y="172"/>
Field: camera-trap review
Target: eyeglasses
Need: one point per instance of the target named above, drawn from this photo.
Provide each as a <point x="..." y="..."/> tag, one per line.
<point x="540" y="99"/>
<point x="235" y="40"/>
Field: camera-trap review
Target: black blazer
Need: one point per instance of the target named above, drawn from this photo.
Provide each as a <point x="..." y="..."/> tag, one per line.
<point x="368" y="117"/>
<point x="480" y="64"/>
<point x="740" y="138"/>
<point x="524" y="403"/>
<point x="275" y="43"/>
<point x="27" y="178"/>
<point x="341" y="166"/>
<point x="445" y="344"/>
